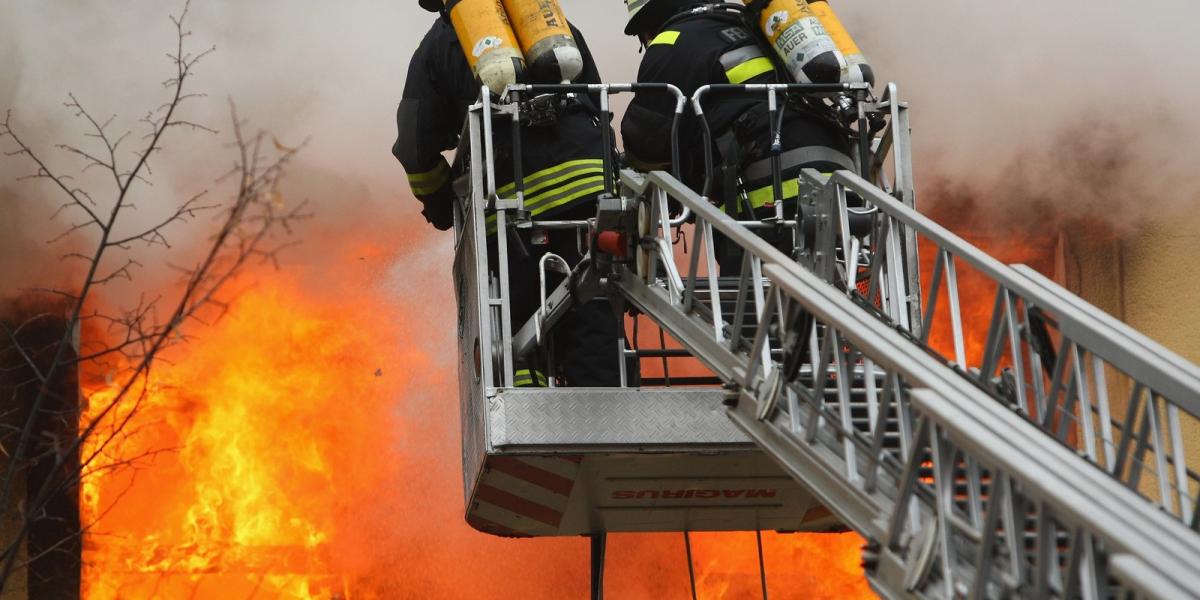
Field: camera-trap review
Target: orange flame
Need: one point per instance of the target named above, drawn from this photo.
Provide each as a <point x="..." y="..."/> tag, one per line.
<point x="263" y="419"/>
<point x="306" y="447"/>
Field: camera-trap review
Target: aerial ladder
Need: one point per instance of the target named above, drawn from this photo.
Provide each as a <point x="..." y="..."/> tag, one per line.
<point x="1053" y="461"/>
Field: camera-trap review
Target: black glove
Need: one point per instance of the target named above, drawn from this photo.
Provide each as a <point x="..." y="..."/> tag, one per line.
<point x="439" y="207"/>
<point x="439" y="213"/>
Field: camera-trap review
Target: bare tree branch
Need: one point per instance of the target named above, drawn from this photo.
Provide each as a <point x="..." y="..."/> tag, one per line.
<point x="134" y="337"/>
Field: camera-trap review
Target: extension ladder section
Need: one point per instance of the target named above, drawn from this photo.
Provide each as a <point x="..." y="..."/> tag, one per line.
<point x="956" y="493"/>
<point x="1053" y="464"/>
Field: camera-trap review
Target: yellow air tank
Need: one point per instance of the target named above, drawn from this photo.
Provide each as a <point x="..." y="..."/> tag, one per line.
<point x="551" y="54"/>
<point x="798" y="37"/>
<point x="858" y="70"/>
<point x="488" y="41"/>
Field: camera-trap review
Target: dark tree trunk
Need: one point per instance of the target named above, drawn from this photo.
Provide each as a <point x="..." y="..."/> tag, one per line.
<point x="54" y="543"/>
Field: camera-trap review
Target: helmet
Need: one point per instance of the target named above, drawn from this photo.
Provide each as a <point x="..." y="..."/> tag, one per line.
<point x="635" y="24"/>
<point x="432" y="5"/>
<point x="646" y="16"/>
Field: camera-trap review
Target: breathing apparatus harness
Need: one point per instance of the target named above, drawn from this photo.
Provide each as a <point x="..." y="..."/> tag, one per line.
<point x="743" y="135"/>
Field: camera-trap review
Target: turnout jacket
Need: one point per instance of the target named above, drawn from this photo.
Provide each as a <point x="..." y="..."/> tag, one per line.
<point x="562" y="163"/>
<point x="716" y="47"/>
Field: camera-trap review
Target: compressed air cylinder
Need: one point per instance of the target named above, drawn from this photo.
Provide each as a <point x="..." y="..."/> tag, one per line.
<point x="801" y="41"/>
<point x="858" y="70"/>
<point x="551" y="54"/>
<point x="488" y="41"/>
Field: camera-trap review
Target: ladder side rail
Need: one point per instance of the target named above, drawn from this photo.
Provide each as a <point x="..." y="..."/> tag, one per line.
<point x="883" y="509"/>
<point x="776" y="265"/>
<point x="1152" y="364"/>
<point x="1068" y="394"/>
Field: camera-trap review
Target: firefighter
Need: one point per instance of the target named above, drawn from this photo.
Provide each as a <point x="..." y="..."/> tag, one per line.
<point x="562" y="163"/>
<point x="692" y="43"/>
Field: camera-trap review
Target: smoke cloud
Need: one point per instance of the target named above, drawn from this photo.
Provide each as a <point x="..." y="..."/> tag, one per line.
<point x="1089" y="93"/>
<point x="1076" y="109"/>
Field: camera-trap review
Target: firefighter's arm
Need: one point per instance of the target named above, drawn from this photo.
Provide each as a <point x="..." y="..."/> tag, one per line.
<point x="424" y="124"/>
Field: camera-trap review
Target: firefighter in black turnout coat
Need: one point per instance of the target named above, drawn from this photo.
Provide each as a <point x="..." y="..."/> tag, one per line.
<point x="562" y="166"/>
<point x="689" y="44"/>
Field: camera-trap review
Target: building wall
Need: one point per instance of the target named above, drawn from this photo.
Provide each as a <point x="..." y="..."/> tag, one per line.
<point x="1148" y="279"/>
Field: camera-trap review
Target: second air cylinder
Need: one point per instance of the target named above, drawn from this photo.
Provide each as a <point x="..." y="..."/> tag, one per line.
<point x="858" y="70"/>
<point x="488" y="42"/>
<point x="797" y="35"/>
<point x="551" y="54"/>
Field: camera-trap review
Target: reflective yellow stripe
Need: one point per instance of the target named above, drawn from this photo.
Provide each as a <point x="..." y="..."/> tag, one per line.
<point x="532" y="193"/>
<point x="766" y="195"/>
<point x="437" y="172"/>
<point x="536" y="181"/>
<point x="556" y="198"/>
<point x="526" y="378"/>
<point x="541" y="202"/>
<point x="426" y="183"/>
<point x="666" y="37"/>
<point x="555" y="186"/>
<point x="749" y="70"/>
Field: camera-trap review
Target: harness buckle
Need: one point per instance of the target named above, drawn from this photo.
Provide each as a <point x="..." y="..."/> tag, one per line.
<point x="540" y="111"/>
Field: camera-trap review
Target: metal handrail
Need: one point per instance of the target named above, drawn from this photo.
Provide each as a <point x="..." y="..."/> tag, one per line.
<point x="1061" y="382"/>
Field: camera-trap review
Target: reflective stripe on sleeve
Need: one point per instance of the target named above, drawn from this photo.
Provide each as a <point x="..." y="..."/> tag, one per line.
<point x="745" y="63"/>
<point x="430" y="181"/>
<point x="667" y="37"/>
<point x="529" y="378"/>
<point x="749" y="70"/>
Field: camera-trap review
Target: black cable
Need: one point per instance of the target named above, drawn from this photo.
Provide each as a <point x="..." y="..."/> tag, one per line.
<point x="662" y="343"/>
<point x="762" y="569"/>
<point x="687" y="544"/>
<point x="573" y="278"/>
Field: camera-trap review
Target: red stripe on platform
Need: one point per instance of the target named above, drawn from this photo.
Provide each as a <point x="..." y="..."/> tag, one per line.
<point x="517" y="504"/>
<point x="816" y="514"/>
<point x="492" y="527"/>
<point x="526" y="472"/>
<point x="574" y="459"/>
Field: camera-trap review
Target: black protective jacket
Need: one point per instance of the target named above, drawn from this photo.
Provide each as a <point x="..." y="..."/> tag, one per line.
<point x="716" y="47"/>
<point x="561" y="163"/>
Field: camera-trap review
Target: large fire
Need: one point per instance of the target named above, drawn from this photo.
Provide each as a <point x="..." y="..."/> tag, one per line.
<point x="305" y="447"/>
<point x="262" y="433"/>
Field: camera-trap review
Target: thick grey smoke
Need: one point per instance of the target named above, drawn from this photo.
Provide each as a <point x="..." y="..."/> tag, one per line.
<point x="1084" y="107"/>
<point x="998" y="90"/>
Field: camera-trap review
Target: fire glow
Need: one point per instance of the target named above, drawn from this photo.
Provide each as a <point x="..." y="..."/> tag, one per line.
<point x="249" y="494"/>
<point x="303" y="448"/>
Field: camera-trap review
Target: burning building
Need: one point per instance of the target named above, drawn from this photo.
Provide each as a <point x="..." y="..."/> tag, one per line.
<point x="272" y="458"/>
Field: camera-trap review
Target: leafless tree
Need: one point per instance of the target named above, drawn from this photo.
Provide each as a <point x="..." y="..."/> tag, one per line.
<point x="250" y="226"/>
